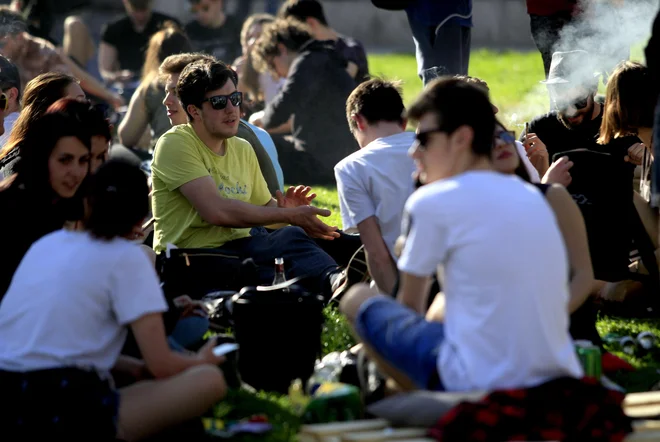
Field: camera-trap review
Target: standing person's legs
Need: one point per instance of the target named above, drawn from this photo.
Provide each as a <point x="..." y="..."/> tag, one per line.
<point x="546" y="32"/>
<point x="441" y="50"/>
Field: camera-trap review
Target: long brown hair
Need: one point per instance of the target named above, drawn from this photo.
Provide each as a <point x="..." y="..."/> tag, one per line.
<point x="249" y="74"/>
<point x="170" y="40"/>
<point x="39" y="94"/>
<point x="629" y="105"/>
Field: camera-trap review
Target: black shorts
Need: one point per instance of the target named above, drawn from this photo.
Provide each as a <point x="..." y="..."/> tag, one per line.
<point x="69" y="403"/>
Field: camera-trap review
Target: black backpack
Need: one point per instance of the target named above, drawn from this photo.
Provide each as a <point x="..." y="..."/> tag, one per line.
<point x="392" y="5"/>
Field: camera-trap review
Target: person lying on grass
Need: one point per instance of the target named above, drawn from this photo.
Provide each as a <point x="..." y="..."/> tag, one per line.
<point x="499" y="254"/>
<point x="64" y="321"/>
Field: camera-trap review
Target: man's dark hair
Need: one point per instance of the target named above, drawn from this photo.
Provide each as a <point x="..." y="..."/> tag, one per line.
<point x="291" y="33"/>
<point x="11" y="22"/>
<point x="375" y="100"/>
<point x="201" y="77"/>
<point x="456" y="103"/>
<point x="302" y="10"/>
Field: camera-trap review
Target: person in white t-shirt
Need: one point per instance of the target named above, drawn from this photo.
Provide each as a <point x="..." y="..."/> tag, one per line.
<point x="64" y="322"/>
<point x="374" y="183"/>
<point x="499" y="255"/>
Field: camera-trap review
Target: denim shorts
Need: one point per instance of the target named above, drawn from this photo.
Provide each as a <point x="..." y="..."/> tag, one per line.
<point x="403" y="338"/>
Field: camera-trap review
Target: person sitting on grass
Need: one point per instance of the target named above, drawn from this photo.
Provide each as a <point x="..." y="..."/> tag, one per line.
<point x="170" y="71"/>
<point x="209" y="191"/>
<point x="64" y="321"/>
<point x="374" y="183"/>
<point x="499" y="254"/>
<point x="315" y="93"/>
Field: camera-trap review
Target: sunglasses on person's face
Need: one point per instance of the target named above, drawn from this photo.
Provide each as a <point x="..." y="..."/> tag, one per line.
<point x="578" y="104"/>
<point x="505" y="137"/>
<point x="423" y="138"/>
<point x="219" y="102"/>
<point x="4" y="102"/>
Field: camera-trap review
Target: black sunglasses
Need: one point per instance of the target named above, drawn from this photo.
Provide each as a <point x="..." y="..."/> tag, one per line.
<point x="219" y="102"/>
<point x="423" y="138"/>
<point x="578" y="104"/>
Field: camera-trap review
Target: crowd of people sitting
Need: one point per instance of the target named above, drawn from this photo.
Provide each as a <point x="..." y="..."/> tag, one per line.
<point x="488" y="256"/>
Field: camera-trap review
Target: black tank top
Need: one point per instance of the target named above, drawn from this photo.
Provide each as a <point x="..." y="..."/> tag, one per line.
<point x="543" y="187"/>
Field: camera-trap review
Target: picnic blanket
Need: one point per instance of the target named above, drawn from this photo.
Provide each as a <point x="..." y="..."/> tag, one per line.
<point x="565" y="409"/>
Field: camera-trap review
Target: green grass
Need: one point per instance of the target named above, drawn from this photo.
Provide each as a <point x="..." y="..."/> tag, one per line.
<point x="513" y="78"/>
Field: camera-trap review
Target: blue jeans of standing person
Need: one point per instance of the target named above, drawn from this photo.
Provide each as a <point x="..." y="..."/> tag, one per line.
<point x="302" y="256"/>
<point x="442" y="49"/>
<point x="655" y="181"/>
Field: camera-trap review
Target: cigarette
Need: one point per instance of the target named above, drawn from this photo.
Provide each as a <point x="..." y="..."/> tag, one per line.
<point x="526" y="128"/>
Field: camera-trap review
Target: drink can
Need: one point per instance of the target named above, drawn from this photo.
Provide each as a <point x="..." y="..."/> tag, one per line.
<point x="590" y="357"/>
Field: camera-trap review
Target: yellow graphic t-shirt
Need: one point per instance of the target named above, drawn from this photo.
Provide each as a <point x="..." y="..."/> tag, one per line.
<point x="180" y="157"/>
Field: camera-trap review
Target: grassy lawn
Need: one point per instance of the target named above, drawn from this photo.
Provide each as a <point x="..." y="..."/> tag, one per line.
<point x="513" y="78"/>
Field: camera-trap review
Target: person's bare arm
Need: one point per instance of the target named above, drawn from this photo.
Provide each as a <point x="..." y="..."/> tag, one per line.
<point x="135" y="122"/>
<point x="90" y="84"/>
<point x="203" y="194"/>
<point x="379" y="261"/>
<point x="574" y="233"/>
<point x="160" y="360"/>
<point x="414" y="291"/>
<point x="352" y="69"/>
<point x="109" y="64"/>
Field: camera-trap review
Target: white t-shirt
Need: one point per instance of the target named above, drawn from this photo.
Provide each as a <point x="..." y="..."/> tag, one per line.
<point x="71" y="299"/>
<point x="8" y="125"/>
<point x="502" y="262"/>
<point x="376" y="181"/>
<point x="531" y="170"/>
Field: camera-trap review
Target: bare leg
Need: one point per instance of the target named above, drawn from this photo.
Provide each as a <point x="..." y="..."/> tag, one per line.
<point x="349" y="306"/>
<point x="149" y="407"/>
<point x="78" y="43"/>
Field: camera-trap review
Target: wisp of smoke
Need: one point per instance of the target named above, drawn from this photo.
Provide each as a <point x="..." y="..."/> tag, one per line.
<point x="606" y="31"/>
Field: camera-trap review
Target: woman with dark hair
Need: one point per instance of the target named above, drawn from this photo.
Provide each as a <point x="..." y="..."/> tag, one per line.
<point x="39" y="94"/>
<point x="39" y="197"/>
<point x="146" y="108"/>
<point x="94" y="120"/>
<point x="506" y="160"/>
<point x="66" y="316"/>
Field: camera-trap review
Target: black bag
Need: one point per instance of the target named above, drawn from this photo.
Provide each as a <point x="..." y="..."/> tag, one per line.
<point x="278" y="329"/>
<point x="392" y="5"/>
<point x="197" y="272"/>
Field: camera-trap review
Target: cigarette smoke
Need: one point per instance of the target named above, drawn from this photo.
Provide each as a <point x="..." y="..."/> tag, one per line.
<point x="606" y="29"/>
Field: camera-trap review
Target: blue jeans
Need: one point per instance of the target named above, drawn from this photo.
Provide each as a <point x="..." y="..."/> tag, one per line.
<point x="188" y="332"/>
<point x="655" y="181"/>
<point x="403" y="338"/>
<point x="302" y="256"/>
<point x="441" y="51"/>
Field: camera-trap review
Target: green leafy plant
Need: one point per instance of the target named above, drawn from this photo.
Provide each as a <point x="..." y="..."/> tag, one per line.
<point x="337" y="335"/>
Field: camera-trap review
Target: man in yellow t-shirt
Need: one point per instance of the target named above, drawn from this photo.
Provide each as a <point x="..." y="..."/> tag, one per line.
<point x="209" y="191"/>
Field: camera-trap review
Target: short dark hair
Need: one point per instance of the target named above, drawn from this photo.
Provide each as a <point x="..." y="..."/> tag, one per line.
<point x="118" y="199"/>
<point x="291" y="33"/>
<point x="628" y="103"/>
<point x="200" y="77"/>
<point x="302" y="10"/>
<point x="375" y="100"/>
<point x="456" y="103"/>
<point x="11" y="22"/>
